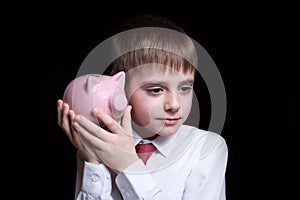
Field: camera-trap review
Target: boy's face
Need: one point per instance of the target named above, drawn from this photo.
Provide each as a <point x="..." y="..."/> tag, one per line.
<point x="161" y="99"/>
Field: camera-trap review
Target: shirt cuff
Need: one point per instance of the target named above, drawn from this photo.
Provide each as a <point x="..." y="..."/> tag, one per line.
<point x="131" y="182"/>
<point x="96" y="180"/>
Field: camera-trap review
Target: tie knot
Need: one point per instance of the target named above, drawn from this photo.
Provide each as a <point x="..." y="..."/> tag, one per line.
<point x="145" y="148"/>
<point x="144" y="151"/>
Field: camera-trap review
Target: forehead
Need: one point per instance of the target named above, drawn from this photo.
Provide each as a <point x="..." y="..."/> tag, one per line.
<point x="157" y="72"/>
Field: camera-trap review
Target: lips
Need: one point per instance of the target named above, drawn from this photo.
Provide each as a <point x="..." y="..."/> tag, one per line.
<point x="170" y="121"/>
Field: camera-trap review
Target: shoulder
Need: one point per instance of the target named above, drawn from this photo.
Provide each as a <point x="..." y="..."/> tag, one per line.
<point x="191" y="131"/>
<point x="205" y="141"/>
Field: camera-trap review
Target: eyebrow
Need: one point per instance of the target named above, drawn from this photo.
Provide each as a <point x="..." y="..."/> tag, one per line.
<point x="188" y="81"/>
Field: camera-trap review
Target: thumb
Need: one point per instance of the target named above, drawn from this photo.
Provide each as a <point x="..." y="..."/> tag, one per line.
<point x="126" y="119"/>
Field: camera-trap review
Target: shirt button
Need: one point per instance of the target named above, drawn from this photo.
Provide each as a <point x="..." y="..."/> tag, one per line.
<point x="107" y="176"/>
<point x="95" y="177"/>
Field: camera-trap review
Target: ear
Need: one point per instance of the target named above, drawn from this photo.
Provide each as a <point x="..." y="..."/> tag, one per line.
<point x="119" y="77"/>
<point x="90" y="83"/>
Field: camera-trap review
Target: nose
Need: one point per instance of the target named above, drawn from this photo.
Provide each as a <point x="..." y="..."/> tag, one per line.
<point x="172" y="103"/>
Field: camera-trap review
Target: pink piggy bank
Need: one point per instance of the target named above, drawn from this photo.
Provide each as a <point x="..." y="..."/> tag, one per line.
<point x="94" y="90"/>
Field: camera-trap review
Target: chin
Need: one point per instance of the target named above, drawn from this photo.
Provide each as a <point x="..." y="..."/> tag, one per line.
<point x="168" y="130"/>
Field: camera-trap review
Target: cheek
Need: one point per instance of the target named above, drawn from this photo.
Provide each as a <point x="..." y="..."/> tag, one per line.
<point x="140" y="109"/>
<point x="186" y="104"/>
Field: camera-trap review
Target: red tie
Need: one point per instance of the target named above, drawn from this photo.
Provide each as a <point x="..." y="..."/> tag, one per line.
<point x="144" y="151"/>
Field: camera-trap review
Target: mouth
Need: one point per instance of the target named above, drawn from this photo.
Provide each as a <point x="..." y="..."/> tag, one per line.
<point x="171" y="121"/>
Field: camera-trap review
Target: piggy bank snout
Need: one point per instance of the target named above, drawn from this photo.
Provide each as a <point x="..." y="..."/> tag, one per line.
<point x="120" y="103"/>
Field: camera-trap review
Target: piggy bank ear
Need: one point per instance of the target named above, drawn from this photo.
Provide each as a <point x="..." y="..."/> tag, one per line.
<point x="119" y="77"/>
<point x="92" y="80"/>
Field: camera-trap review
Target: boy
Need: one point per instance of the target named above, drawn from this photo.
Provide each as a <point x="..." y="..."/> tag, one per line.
<point x="186" y="162"/>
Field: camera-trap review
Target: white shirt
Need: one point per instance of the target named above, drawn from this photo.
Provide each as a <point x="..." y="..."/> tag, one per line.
<point x="188" y="165"/>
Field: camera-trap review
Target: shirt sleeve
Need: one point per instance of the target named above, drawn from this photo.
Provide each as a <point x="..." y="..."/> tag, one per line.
<point x="92" y="181"/>
<point x="206" y="180"/>
<point x="136" y="183"/>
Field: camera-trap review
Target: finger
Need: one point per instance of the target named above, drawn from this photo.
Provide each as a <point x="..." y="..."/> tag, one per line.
<point x="126" y="119"/>
<point x="76" y="140"/>
<point x="73" y="134"/>
<point x="65" y="120"/>
<point x="59" y="111"/>
<point x="83" y="146"/>
<point x="71" y="114"/>
<point x="86" y="136"/>
<point x="107" y="120"/>
<point x="90" y="127"/>
<point x="64" y="114"/>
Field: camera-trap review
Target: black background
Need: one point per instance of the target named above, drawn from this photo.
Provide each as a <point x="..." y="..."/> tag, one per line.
<point x="247" y="42"/>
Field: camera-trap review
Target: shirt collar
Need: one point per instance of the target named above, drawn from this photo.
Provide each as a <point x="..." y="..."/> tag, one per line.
<point x="160" y="142"/>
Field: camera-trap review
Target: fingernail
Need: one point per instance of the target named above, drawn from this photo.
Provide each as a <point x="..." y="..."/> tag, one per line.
<point x="77" y="118"/>
<point x="75" y="125"/>
<point x="96" y="110"/>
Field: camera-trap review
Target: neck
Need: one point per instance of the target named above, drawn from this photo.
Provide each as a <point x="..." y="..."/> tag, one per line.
<point x="151" y="138"/>
<point x="144" y="132"/>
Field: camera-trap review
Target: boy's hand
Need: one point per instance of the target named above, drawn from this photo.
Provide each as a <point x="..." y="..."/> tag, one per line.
<point x="65" y="118"/>
<point x="115" y="148"/>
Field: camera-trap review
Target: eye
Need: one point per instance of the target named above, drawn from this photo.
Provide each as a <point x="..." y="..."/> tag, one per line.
<point x="185" y="89"/>
<point x="155" y="90"/>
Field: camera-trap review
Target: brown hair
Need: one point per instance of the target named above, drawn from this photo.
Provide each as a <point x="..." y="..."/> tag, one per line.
<point x="152" y="39"/>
